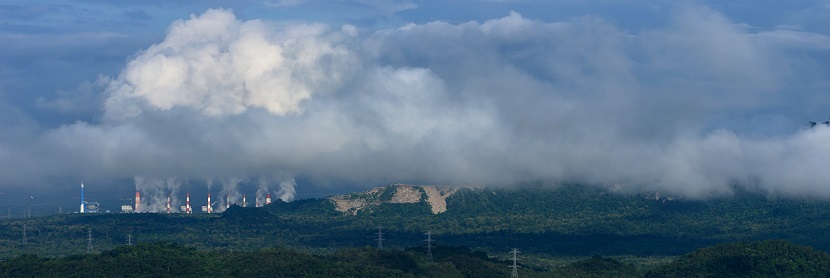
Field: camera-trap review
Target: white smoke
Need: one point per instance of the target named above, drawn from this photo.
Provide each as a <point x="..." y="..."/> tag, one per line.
<point x="262" y="190"/>
<point x="286" y="188"/>
<point x="230" y="193"/>
<point x="154" y="193"/>
<point x="287" y="192"/>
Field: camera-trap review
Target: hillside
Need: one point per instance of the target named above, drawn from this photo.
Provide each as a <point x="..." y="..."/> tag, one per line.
<point x="567" y="221"/>
<point x="774" y="258"/>
<point x="172" y="260"/>
<point x="435" y="196"/>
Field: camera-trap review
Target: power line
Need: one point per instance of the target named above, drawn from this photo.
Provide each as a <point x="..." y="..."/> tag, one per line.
<point x="429" y="245"/>
<point x="380" y="238"/>
<point x="515" y="266"/>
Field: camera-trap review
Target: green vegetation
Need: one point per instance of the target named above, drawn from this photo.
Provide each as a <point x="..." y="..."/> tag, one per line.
<point x="774" y="258"/>
<point x="747" y="259"/>
<point x="172" y="260"/>
<point x="554" y="228"/>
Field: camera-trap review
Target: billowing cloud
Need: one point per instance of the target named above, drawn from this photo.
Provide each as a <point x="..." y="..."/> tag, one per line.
<point x="512" y="99"/>
<point x="217" y="66"/>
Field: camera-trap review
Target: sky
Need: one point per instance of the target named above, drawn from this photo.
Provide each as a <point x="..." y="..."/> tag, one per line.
<point x="307" y="98"/>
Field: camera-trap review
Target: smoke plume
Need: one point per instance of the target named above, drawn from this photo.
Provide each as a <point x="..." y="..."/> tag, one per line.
<point x="230" y="193"/>
<point x="154" y="193"/>
<point x="287" y="192"/>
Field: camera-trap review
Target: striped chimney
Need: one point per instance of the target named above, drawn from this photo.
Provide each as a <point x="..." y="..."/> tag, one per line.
<point x="137" y="202"/>
<point x="187" y="204"/>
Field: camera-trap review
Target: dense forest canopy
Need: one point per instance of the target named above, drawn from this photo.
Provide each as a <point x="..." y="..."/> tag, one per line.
<point x="552" y="227"/>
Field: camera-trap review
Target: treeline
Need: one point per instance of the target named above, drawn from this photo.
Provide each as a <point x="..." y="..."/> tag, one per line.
<point x="172" y="260"/>
<point x="749" y="259"/>
<point x="565" y="221"/>
<point x="773" y="258"/>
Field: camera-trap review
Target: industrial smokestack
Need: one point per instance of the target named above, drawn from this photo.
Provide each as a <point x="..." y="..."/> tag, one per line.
<point x="244" y="202"/>
<point x="268" y="199"/>
<point x="83" y="203"/>
<point x="227" y="202"/>
<point x="168" y="204"/>
<point x="137" y="202"/>
<point x="187" y="205"/>
<point x="208" y="206"/>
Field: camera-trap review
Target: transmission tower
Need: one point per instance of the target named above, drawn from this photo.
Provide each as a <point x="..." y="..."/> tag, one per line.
<point x="380" y="238"/>
<point x="24" y="234"/>
<point x="89" y="240"/>
<point x="515" y="266"/>
<point x="129" y="239"/>
<point x="429" y="245"/>
<point x="60" y="209"/>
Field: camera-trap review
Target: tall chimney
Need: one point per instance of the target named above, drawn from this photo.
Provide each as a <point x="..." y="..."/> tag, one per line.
<point x="208" y="206"/>
<point x="244" y="202"/>
<point x="268" y="199"/>
<point x="168" y="203"/>
<point x="137" y="201"/>
<point x="227" y="202"/>
<point x="83" y="203"/>
<point x="187" y="204"/>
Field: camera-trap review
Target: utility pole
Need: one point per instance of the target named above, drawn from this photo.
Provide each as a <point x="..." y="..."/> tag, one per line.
<point x="24" y="233"/>
<point x="515" y="266"/>
<point x="429" y="245"/>
<point x="89" y="240"/>
<point x="380" y="238"/>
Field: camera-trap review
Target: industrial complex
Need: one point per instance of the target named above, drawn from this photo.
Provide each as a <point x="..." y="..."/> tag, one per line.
<point x="93" y="207"/>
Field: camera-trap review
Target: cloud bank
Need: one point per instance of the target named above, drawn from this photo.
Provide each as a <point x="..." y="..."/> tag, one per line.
<point x="692" y="108"/>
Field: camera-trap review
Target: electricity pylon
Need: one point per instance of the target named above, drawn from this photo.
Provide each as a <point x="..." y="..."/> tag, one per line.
<point x="380" y="238"/>
<point x="515" y="266"/>
<point x="429" y="245"/>
<point x="89" y="240"/>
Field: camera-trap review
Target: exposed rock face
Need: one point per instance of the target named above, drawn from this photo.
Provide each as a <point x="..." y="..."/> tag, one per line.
<point x="436" y="196"/>
<point x="406" y="194"/>
<point x="348" y="205"/>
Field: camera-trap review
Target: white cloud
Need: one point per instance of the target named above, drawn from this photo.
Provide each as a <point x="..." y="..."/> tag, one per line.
<point x="498" y="102"/>
<point x="795" y="39"/>
<point x="217" y="65"/>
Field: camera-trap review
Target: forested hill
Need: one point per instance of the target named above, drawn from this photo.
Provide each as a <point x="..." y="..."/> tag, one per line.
<point x="747" y="259"/>
<point x="565" y="221"/>
<point x="774" y="258"/>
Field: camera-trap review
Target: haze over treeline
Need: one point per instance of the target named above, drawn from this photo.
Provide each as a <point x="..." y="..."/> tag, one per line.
<point x="693" y="103"/>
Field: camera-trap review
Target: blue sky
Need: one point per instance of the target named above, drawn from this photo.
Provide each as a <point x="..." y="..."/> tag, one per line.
<point x="686" y="97"/>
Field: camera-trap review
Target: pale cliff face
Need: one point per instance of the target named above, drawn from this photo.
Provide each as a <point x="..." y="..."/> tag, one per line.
<point x="436" y="196"/>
